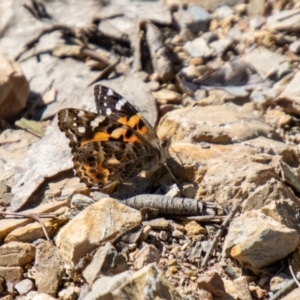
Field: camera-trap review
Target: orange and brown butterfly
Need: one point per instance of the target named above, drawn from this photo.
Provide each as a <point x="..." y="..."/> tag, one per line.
<point x="113" y="145"/>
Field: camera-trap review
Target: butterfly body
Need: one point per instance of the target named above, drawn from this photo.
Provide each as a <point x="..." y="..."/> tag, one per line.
<point x="113" y="145"/>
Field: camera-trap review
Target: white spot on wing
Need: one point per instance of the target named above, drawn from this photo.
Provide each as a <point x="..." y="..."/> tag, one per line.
<point x="96" y="121"/>
<point x="75" y="124"/>
<point x="81" y="113"/>
<point x="104" y="104"/>
<point x="81" y="129"/>
<point x="120" y="103"/>
<point x="110" y="92"/>
<point x="108" y="111"/>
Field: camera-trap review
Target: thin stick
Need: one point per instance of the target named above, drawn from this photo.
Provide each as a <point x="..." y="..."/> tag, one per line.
<point x="219" y="233"/>
<point x="32" y="216"/>
<point x="105" y="73"/>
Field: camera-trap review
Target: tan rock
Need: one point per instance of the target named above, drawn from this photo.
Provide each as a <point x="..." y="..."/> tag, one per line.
<point x="43" y="296"/>
<point x="193" y="228"/>
<point x="148" y="254"/>
<point x="165" y="96"/>
<point x="49" y="269"/>
<point x="213" y="284"/>
<point x="258" y="240"/>
<point x="13" y="146"/>
<point x="289" y="99"/>
<point x="12" y="274"/>
<point x="14" y="88"/>
<point x="220" y="124"/>
<point x="283" y="211"/>
<point x="8" y="225"/>
<point x="293" y="295"/>
<point x="34" y="231"/>
<point x="100" y="222"/>
<point x="16" y="254"/>
<point x="158" y="224"/>
<point x="242" y="288"/>
<point x="148" y="281"/>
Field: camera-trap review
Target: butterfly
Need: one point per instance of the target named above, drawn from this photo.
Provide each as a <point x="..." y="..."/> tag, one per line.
<point x="113" y="145"/>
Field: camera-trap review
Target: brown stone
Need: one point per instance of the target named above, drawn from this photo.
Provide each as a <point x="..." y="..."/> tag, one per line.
<point x="12" y="274"/>
<point x="16" y="254"/>
<point x="14" y="88"/>
<point x="49" y="269"/>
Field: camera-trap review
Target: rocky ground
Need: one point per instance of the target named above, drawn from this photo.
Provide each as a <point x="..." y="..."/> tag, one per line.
<point x="222" y="82"/>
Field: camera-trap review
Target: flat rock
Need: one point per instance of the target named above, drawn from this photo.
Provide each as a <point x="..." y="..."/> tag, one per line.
<point x="293" y="295"/>
<point x="195" y="18"/>
<point x="106" y="262"/>
<point x="264" y="60"/>
<point x="289" y="99"/>
<point x="34" y="231"/>
<point x="8" y="224"/>
<point x="287" y="20"/>
<point x="147" y="282"/>
<point x="220" y="124"/>
<point x="250" y="237"/>
<point x="100" y="222"/>
<point x="16" y="254"/>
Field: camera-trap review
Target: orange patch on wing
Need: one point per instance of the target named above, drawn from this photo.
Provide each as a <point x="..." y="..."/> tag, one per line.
<point x="98" y="137"/>
<point x="122" y="132"/>
<point x="132" y="123"/>
<point x="116" y="134"/>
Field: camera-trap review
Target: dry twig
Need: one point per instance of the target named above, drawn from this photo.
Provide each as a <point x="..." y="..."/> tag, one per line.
<point x="32" y="216"/>
<point x="218" y="234"/>
<point x="105" y="73"/>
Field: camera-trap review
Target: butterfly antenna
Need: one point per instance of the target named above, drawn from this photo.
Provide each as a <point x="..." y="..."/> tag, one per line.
<point x="172" y="175"/>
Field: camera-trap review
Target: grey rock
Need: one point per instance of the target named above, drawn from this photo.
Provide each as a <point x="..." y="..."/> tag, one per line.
<point x="264" y="60"/>
<point x="287" y="20"/>
<point x="80" y="201"/>
<point x="221" y="46"/>
<point x="295" y="47"/>
<point x="209" y="36"/>
<point x="195" y="18"/>
<point x="106" y="262"/>
<point x="257" y="21"/>
<point x="197" y="48"/>
<point x="279" y="281"/>
<point x="24" y="286"/>
<point x="147" y="282"/>
<point x="199" y="95"/>
<point x="223" y="12"/>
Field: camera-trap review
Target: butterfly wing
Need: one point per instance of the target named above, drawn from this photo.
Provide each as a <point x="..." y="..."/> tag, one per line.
<point x="105" y="151"/>
<point x="115" y="107"/>
<point x="106" y="163"/>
